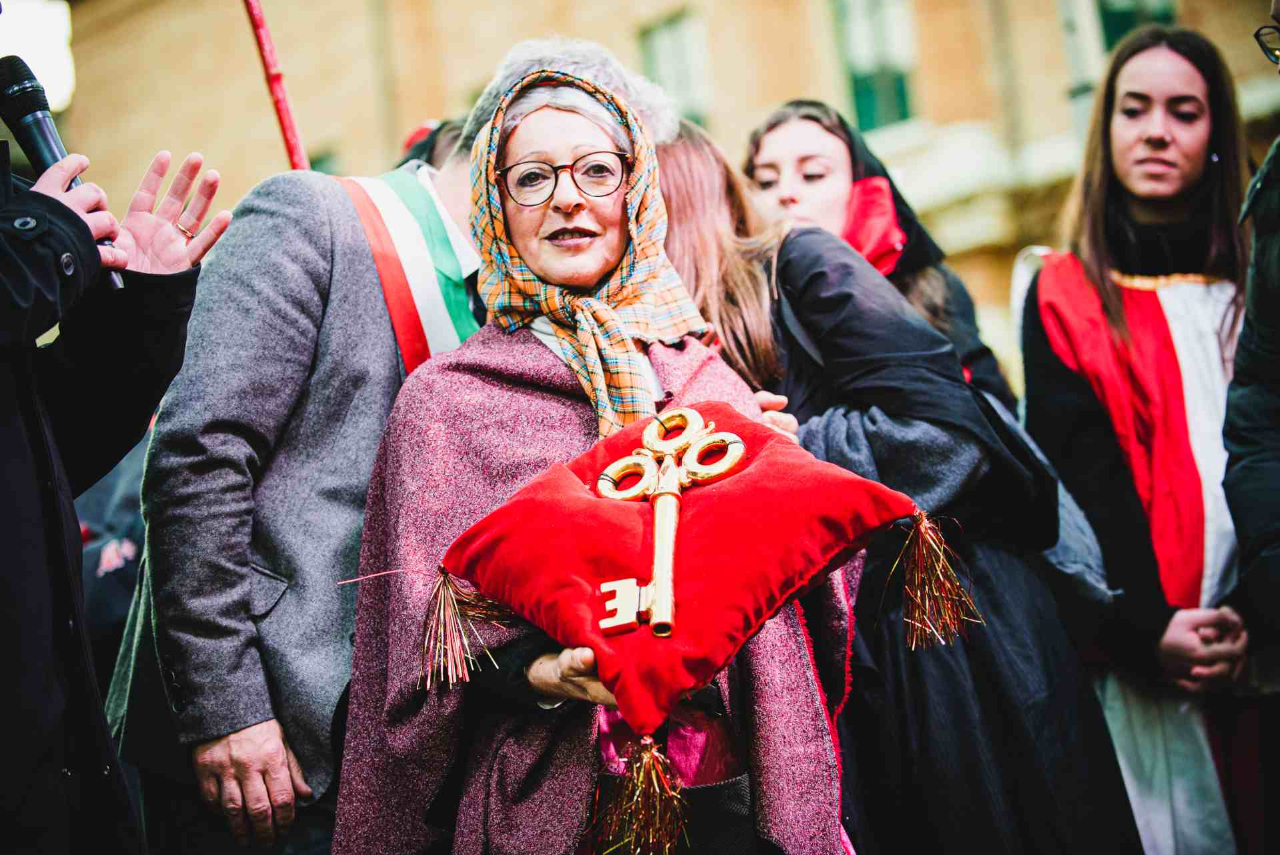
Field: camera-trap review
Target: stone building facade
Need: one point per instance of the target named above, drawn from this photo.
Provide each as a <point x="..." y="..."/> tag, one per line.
<point x="977" y="106"/>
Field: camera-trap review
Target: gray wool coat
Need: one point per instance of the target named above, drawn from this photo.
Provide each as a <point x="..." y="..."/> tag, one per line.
<point x="254" y="488"/>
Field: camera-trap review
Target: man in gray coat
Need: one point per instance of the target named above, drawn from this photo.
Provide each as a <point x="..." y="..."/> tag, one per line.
<point x="238" y="646"/>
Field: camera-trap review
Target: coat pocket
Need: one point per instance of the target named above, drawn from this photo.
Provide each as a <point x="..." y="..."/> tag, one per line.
<point x="266" y="589"/>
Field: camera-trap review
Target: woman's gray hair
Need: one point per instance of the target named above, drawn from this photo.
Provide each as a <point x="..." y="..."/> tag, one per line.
<point x="584" y="59"/>
<point x="569" y="98"/>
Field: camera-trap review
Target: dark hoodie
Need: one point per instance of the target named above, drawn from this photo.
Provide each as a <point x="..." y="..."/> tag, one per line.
<point x="886" y="231"/>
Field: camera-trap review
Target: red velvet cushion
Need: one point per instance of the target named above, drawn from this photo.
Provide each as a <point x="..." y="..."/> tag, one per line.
<point x="744" y="545"/>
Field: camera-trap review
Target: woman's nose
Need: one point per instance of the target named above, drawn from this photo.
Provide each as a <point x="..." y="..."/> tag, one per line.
<point x="1157" y="130"/>
<point x="566" y="197"/>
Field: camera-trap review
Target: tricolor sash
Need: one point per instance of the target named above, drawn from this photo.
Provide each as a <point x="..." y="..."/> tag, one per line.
<point x="422" y="280"/>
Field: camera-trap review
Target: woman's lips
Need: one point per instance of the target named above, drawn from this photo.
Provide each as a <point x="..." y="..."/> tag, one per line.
<point x="1156" y="163"/>
<point x="571" y="238"/>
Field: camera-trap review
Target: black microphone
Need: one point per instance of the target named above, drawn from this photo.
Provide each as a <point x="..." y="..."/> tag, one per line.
<point x="25" y="110"/>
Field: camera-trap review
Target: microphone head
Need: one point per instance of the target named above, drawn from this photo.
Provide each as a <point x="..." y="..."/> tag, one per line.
<point x="20" y="92"/>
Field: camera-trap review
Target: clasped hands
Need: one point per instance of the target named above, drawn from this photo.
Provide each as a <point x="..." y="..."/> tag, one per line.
<point x="1203" y="649"/>
<point x="150" y="238"/>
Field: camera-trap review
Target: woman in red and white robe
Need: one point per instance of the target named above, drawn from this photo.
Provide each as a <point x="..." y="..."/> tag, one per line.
<point x="1127" y="342"/>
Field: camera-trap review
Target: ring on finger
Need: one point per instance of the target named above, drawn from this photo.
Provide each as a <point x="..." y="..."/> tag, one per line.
<point x="190" y="235"/>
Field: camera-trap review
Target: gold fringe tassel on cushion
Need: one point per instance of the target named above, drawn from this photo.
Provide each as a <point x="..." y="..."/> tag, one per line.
<point x="935" y="604"/>
<point x="646" y="814"/>
<point x="447" y="655"/>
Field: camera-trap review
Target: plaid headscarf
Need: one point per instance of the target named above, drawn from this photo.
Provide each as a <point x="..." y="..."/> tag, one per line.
<point x="642" y="298"/>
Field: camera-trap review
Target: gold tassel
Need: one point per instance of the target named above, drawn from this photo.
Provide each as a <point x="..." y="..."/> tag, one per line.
<point x="646" y="814"/>
<point x="447" y="656"/>
<point x="935" y="604"/>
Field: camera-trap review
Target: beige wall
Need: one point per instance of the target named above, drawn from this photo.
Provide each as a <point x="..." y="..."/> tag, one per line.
<point x="186" y="76"/>
<point x="987" y="160"/>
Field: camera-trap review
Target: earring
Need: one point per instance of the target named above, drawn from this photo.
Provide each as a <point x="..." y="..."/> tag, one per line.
<point x="1213" y="156"/>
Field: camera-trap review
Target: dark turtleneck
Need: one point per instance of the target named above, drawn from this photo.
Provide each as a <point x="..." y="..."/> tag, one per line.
<point x="1159" y="249"/>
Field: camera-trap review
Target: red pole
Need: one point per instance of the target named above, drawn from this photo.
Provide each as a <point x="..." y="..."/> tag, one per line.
<point x="275" y="84"/>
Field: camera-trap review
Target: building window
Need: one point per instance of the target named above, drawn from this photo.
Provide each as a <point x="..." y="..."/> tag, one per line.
<point x="1121" y="16"/>
<point x="878" y="46"/>
<point x="675" y="57"/>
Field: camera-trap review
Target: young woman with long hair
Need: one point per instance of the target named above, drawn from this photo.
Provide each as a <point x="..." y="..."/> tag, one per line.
<point x="811" y="167"/>
<point x="1127" y="342"/>
<point x="993" y="743"/>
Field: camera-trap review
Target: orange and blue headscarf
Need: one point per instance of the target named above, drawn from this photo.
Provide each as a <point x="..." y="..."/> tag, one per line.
<point x="642" y="299"/>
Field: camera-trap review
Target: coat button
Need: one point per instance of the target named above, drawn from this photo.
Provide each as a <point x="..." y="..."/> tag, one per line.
<point x="106" y="771"/>
<point x="68" y="263"/>
<point x="71" y="625"/>
<point x="25" y="224"/>
<point x="66" y="773"/>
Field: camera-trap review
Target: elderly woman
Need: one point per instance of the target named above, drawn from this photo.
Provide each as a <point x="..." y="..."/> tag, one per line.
<point x="591" y="330"/>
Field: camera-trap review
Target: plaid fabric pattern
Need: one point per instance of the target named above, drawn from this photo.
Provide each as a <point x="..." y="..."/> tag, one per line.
<point x="643" y="299"/>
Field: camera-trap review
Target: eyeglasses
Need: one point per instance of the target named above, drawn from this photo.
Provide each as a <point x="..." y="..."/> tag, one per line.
<point x="1268" y="38"/>
<point x="533" y="182"/>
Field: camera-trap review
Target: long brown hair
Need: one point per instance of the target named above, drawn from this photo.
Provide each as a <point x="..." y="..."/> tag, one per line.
<point x="1096" y="201"/>
<point x="925" y="287"/>
<point x="720" y="248"/>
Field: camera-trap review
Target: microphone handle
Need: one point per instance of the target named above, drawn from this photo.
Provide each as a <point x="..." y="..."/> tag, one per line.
<point x="38" y="138"/>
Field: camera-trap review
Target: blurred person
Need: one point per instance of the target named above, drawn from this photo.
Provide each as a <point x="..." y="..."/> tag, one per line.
<point x="1127" y="342"/>
<point x="592" y="331"/>
<point x="1252" y="428"/>
<point x="991" y="744"/>
<point x="811" y="167"/>
<point x="113" y="534"/>
<point x="115" y="353"/>
<point x="434" y="146"/>
<point x="229" y="690"/>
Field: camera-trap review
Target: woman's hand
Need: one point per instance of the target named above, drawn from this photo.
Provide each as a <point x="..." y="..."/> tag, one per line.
<point x="570" y="674"/>
<point x="1203" y="649"/>
<point x="773" y="406"/>
<point x="89" y="201"/>
<point x="155" y="237"/>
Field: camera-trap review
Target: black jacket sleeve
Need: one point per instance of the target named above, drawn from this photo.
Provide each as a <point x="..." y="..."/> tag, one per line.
<point x="47" y="260"/>
<point x="1073" y="429"/>
<point x="878" y="351"/>
<point x="103" y="377"/>
<point x="1252" y="427"/>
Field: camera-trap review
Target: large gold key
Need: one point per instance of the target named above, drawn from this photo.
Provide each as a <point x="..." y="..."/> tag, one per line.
<point x="675" y="446"/>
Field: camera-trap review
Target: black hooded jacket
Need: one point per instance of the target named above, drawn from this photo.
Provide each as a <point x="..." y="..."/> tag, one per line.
<point x="69" y="412"/>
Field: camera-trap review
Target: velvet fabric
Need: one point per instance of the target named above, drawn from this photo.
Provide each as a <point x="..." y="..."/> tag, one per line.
<point x="816" y="514"/>
<point x="440" y="771"/>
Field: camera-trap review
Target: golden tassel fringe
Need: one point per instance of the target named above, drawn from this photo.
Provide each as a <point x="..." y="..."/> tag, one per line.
<point x="935" y="604"/>
<point x="447" y="655"/>
<point x="646" y="815"/>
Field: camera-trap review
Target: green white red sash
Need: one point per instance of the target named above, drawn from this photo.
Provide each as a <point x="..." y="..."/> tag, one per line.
<point x="422" y="280"/>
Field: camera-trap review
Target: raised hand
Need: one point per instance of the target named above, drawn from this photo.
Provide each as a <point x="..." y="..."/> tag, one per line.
<point x="167" y="239"/>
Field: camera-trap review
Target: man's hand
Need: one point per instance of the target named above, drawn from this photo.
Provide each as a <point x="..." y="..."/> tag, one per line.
<point x="1203" y="648"/>
<point x="87" y="200"/>
<point x="253" y="778"/>
<point x="152" y="237"/>
<point x="773" y="406"/>
<point x="570" y="674"/>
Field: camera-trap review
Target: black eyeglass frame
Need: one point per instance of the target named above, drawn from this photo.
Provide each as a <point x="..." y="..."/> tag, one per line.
<point x="501" y="175"/>
<point x="1268" y="52"/>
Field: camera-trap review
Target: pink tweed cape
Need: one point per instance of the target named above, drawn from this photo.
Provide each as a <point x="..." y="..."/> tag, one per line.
<point x="468" y="430"/>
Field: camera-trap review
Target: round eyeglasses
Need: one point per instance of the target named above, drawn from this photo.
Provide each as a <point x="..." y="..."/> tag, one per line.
<point x="1268" y="38"/>
<point x="533" y="182"/>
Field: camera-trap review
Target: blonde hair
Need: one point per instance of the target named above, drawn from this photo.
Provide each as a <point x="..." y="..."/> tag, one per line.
<point x="718" y="244"/>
